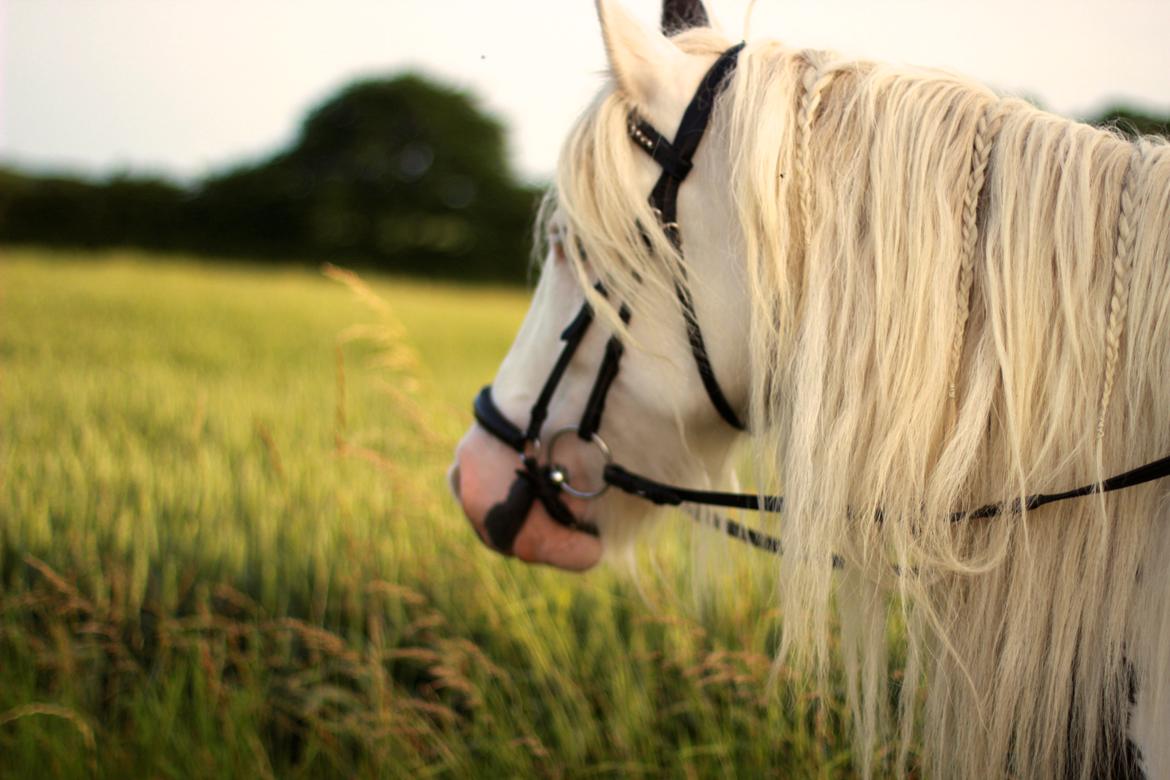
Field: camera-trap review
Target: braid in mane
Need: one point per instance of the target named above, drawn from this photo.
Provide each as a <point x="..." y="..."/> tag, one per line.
<point x="986" y="130"/>
<point x="1122" y="266"/>
<point x="815" y="78"/>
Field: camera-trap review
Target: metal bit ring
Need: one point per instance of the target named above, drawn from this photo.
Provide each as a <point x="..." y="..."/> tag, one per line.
<point x="560" y="475"/>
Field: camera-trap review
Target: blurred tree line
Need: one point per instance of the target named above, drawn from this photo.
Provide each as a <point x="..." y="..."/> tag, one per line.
<point x="403" y="175"/>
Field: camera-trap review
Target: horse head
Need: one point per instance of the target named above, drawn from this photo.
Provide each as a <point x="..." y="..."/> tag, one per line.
<point x="529" y="473"/>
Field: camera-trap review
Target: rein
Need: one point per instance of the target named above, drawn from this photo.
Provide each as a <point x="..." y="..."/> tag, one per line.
<point x="540" y="478"/>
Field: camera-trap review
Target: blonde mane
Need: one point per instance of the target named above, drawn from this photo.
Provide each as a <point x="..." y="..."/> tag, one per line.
<point x="956" y="299"/>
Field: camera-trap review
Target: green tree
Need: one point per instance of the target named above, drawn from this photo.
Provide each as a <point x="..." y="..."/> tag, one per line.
<point x="400" y="173"/>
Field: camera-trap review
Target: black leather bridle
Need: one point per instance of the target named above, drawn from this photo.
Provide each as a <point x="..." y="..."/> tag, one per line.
<point x="542" y="479"/>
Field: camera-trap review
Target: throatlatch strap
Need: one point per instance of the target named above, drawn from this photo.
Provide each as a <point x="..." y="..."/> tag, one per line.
<point x="702" y="361"/>
<point x="675" y="160"/>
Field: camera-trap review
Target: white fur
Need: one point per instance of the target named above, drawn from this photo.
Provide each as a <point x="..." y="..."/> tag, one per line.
<point x="929" y="298"/>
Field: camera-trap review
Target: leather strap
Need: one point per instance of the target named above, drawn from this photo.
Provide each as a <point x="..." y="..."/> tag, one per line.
<point x="675" y="159"/>
<point x="494" y="422"/>
<point x="572" y="336"/>
<point x="672" y="495"/>
<point x="1148" y="472"/>
<point x="606" y="373"/>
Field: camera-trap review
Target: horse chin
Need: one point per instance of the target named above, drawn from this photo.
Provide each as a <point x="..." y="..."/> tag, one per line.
<point x="542" y="540"/>
<point x="480" y="478"/>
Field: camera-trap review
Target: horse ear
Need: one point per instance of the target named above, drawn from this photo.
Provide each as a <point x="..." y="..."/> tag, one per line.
<point x="679" y="15"/>
<point x="641" y="58"/>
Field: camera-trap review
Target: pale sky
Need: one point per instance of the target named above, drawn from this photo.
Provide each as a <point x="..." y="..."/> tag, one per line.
<point x="184" y="87"/>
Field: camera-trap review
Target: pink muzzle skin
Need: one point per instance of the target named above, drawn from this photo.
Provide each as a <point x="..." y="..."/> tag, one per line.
<point x="480" y="478"/>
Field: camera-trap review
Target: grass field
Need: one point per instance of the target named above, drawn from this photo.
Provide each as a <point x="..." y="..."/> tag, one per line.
<point x="227" y="549"/>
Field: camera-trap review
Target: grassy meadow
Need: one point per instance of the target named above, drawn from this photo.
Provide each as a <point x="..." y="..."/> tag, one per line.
<point x="227" y="549"/>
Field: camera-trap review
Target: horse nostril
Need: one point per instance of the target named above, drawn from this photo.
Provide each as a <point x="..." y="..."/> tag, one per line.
<point x="453" y="480"/>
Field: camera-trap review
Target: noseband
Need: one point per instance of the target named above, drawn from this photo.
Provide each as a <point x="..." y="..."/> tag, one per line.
<point x="541" y="478"/>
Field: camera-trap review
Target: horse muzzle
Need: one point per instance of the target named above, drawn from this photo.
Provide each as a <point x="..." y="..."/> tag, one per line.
<point x="515" y="507"/>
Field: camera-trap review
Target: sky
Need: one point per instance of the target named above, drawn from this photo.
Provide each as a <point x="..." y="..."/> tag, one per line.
<point x="185" y="87"/>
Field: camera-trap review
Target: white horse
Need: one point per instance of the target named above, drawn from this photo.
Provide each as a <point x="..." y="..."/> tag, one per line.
<point x="921" y="298"/>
